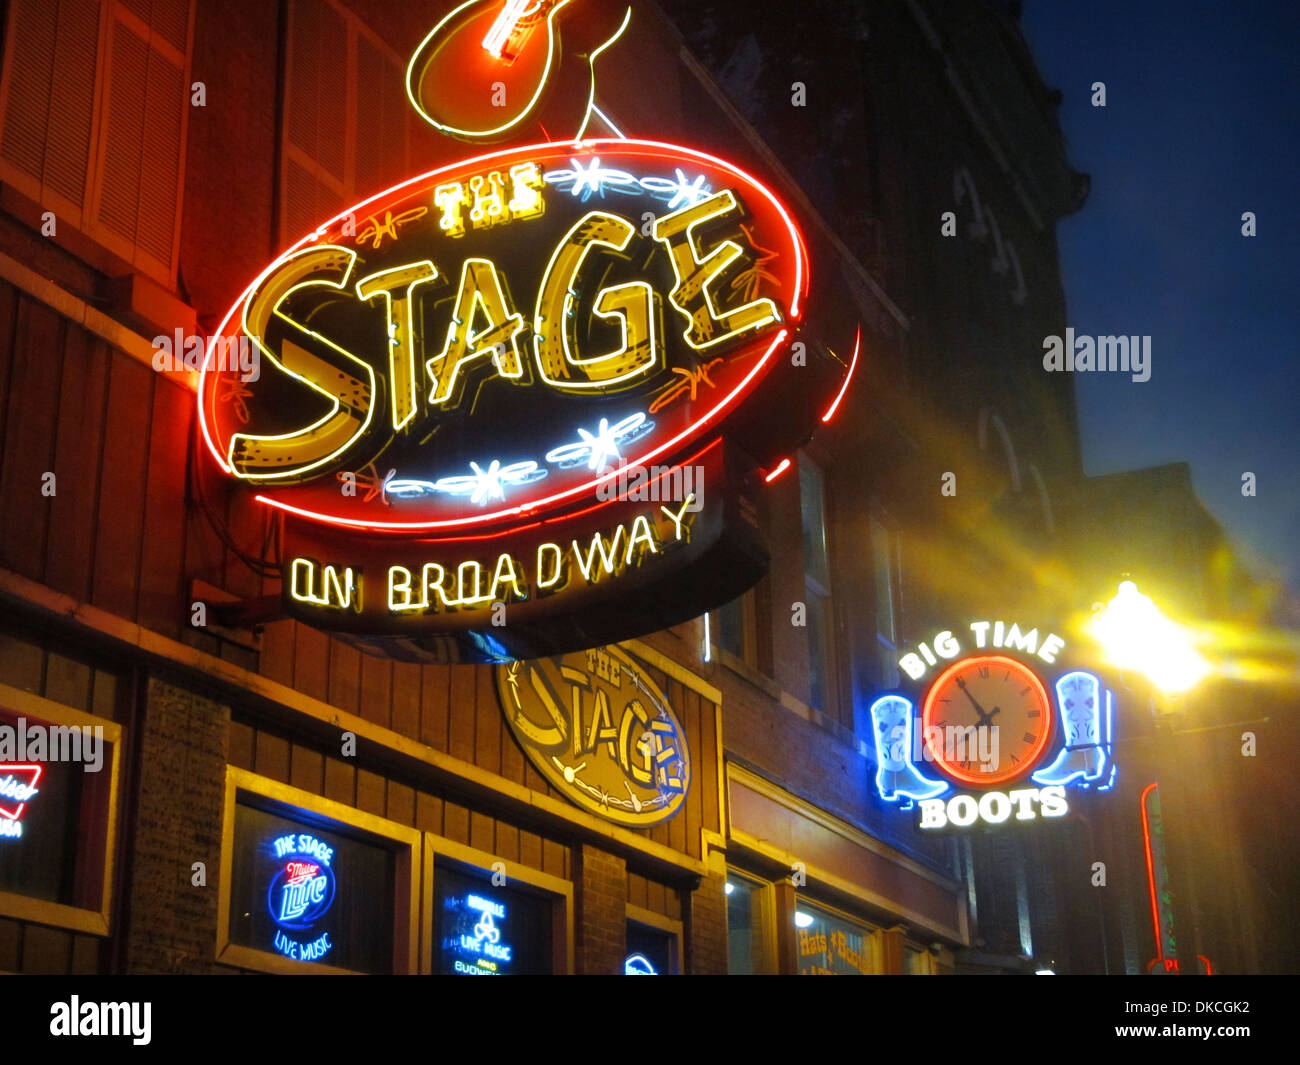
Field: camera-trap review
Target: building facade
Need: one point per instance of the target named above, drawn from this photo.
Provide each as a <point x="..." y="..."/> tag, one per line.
<point x="269" y="796"/>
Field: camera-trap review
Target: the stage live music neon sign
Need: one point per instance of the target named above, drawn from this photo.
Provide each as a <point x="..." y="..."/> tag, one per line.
<point x="300" y="894"/>
<point x="478" y="350"/>
<point x="979" y="753"/>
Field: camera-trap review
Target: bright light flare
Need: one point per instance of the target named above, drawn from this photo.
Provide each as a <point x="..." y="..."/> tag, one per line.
<point x="1137" y="636"/>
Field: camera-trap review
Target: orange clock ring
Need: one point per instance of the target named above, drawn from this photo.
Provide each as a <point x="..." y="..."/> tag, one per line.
<point x="986" y="779"/>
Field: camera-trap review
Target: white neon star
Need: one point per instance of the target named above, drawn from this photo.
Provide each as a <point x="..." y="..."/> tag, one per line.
<point x="483" y="486"/>
<point x="602" y="446"/>
<point x="590" y="180"/>
<point x="679" y="191"/>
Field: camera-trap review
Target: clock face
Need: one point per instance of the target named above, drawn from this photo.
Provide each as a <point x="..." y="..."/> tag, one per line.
<point x="1009" y="709"/>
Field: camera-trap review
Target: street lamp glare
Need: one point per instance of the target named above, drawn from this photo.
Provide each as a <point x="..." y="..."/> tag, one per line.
<point x="1137" y="636"/>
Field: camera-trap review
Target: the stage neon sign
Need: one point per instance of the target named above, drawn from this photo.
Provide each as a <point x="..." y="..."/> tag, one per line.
<point x="299" y="895"/>
<point x="386" y="350"/>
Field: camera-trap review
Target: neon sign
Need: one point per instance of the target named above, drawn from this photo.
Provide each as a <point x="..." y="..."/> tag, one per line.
<point x="987" y="723"/>
<point x="477" y="942"/>
<point x="454" y="372"/>
<point x="299" y="896"/>
<point x="17" y="789"/>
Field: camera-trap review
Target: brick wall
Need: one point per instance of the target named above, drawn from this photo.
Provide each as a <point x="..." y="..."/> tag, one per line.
<point x="601" y="911"/>
<point x="706" y="922"/>
<point x="181" y="775"/>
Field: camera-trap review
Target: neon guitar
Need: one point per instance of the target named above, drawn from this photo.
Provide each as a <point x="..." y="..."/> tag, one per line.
<point x="492" y="68"/>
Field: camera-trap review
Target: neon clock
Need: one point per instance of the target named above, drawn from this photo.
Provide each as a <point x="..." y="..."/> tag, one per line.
<point x="982" y="691"/>
<point x="980" y="751"/>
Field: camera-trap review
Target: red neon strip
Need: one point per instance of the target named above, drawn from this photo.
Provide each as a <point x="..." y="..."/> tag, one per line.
<point x="1151" y="871"/>
<point x="36" y="779"/>
<point x="801" y="282"/>
<point x="853" y="365"/>
<point x="1209" y="969"/>
<point x="785" y="465"/>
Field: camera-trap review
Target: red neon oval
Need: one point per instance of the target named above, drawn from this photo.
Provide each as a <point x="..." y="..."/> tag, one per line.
<point x="983" y="779"/>
<point x="781" y="231"/>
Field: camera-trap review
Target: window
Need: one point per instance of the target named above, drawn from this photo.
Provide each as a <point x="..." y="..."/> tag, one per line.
<point x="750" y="943"/>
<point x="58" y="788"/>
<point x="882" y="567"/>
<point x="832" y="945"/>
<point x="96" y="100"/>
<point x="737" y="630"/>
<point x="817" y="586"/>
<point x="345" y="117"/>
<point x="486" y="930"/>
<point x="653" y="944"/>
<point x="481" y="922"/>
<point x="308" y="884"/>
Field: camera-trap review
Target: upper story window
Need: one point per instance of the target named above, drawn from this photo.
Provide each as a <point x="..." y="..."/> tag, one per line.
<point x="884" y="575"/>
<point x="817" y="586"/>
<point x="95" y="99"/>
<point x="345" y="129"/>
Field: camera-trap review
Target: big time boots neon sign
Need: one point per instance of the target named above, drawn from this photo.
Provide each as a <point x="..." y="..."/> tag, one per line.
<point x="990" y="745"/>
<point x="453" y="370"/>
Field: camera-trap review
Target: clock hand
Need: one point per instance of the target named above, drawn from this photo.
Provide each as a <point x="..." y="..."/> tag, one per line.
<point x="978" y="709"/>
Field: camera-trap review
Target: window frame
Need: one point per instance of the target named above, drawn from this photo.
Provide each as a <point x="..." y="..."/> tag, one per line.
<point x="553" y="889"/>
<point x="634" y="914"/>
<point x="764" y="921"/>
<point x="60" y="915"/>
<point x="114" y="251"/>
<point x="351" y="821"/>
<point x="288" y="152"/>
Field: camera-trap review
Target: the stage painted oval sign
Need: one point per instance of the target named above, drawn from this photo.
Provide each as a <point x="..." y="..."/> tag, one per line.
<point x="601" y="731"/>
<point x="490" y="340"/>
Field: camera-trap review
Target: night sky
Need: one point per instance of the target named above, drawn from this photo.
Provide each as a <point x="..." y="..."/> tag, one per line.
<point x="1201" y="124"/>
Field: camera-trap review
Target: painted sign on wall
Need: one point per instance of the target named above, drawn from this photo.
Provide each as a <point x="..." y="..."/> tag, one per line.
<point x="990" y="744"/>
<point x="596" y="725"/>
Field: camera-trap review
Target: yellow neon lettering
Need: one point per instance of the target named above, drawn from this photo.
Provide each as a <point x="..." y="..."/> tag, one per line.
<point x="676" y="519"/>
<point x="336" y="586"/>
<point x="693" y="297"/>
<point x="476" y="594"/>
<point x="556" y="555"/>
<point x="506" y="573"/>
<point x="480" y="289"/>
<point x="608" y="559"/>
<point x="345" y="380"/>
<point x="399" y="590"/>
<point x="526" y="185"/>
<point x="635" y="305"/>
<point x="643" y="533"/>
<point x="488" y="191"/>
<point x="403" y="336"/>
<point x="450" y="201"/>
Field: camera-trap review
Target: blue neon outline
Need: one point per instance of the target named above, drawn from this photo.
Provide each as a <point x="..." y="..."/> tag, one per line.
<point x="932" y="787"/>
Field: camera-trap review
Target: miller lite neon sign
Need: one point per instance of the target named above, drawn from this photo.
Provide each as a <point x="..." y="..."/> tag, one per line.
<point x="299" y="896"/>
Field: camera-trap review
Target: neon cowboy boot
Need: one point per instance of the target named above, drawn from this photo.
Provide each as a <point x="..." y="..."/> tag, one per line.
<point x="893" y="722"/>
<point x="1079" y="698"/>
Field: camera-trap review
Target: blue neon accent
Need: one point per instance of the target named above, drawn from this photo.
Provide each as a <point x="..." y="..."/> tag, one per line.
<point x="893" y="722"/>
<point x="1085" y="751"/>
